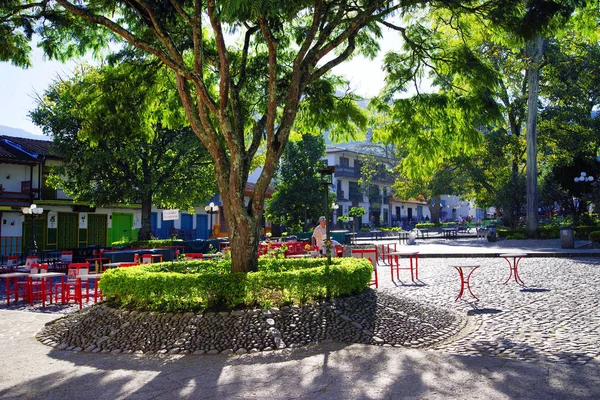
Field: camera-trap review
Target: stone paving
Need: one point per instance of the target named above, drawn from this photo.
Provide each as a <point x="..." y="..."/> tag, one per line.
<point x="555" y="317"/>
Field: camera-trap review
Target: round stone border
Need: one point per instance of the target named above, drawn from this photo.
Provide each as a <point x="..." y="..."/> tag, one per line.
<point x="369" y="318"/>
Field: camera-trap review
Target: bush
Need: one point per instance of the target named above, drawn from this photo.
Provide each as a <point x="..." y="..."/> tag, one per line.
<point x="509" y="233"/>
<point x="550" y="232"/>
<point x="594" y="236"/>
<point x="583" y="232"/>
<point x="201" y="285"/>
<point x="424" y="225"/>
<point x="147" y="244"/>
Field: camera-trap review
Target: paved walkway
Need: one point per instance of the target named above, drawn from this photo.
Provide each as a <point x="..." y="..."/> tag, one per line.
<point x="520" y="342"/>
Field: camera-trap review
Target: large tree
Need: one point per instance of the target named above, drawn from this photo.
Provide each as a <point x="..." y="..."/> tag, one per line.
<point x="107" y="126"/>
<point x="249" y="90"/>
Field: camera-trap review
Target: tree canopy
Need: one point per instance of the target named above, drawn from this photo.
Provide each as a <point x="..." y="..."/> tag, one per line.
<point x="107" y="127"/>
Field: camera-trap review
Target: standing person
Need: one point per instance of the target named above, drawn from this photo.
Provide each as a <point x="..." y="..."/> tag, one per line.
<point x="320" y="234"/>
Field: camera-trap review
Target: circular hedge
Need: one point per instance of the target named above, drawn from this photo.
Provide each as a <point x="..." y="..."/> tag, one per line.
<point x="201" y="285"/>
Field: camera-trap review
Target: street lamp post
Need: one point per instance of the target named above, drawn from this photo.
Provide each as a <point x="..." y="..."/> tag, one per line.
<point x="326" y="181"/>
<point x="211" y="209"/>
<point x="334" y="208"/>
<point x="582" y="178"/>
<point x="33" y="211"/>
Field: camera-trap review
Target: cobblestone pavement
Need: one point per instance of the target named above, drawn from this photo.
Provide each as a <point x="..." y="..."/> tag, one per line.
<point x="555" y="317"/>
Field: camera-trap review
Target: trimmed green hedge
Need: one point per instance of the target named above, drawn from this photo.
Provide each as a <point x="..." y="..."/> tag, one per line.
<point x="425" y="225"/>
<point x="201" y="285"/>
<point x="147" y="244"/>
<point x="594" y="236"/>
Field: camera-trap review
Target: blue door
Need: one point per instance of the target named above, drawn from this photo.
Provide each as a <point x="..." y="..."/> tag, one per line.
<point x="166" y="229"/>
<point x="202" y="226"/>
<point x="153" y="223"/>
<point x="187" y="223"/>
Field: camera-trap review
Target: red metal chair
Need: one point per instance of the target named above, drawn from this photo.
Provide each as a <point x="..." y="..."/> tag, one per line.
<point x="39" y="288"/>
<point x="72" y="288"/>
<point x="371" y="255"/>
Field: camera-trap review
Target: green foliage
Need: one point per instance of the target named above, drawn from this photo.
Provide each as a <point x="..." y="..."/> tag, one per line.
<point x="298" y="190"/>
<point x="508" y="233"/>
<point x="108" y="126"/>
<point x="594" y="236"/>
<point x="581" y="231"/>
<point x="425" y="225"/>
<point x="549" y="232"/>
<point x="357" y="212"/>
<point x="201" y="285"/>
<point x="147" y="244"/>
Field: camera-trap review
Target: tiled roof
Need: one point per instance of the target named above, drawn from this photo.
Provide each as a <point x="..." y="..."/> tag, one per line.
<point x="23" y="150"/>
<point x="9" y="153"/>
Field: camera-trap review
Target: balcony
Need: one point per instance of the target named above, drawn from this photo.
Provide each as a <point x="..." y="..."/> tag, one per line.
<point x="346" y="172"/>
<point x="15" y="199"/>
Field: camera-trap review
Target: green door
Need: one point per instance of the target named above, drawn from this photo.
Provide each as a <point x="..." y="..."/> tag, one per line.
<point x="40" y="232"/>
<point x="121" y="226"/>
<point x="68" y="230"/>
<point x="97" y="230"/>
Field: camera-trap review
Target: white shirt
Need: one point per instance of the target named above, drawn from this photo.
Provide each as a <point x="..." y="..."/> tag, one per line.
<point x="320" y="234"/>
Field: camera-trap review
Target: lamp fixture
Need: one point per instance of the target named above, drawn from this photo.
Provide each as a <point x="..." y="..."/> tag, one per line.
<point x="34" y="211"/>
<point x="210" y="210"/>
<point x="583" y="177"/>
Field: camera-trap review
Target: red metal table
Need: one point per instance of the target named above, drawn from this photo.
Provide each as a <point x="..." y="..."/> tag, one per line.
<point x="12" y="277"/>
<point x="414" y="270"/>
<point x="465" y="280"/>
<point x="514" y="265"/>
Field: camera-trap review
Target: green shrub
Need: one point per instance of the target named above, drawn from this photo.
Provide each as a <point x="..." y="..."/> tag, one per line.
<point x="424" y="225"/>
<point x="201" y="285"/>
<point x="583" y="231"/>
<point x="550" y="232"/>
<point x="594" y="236"/>
<point x="509" y="233"/>
<point x="147" y="244"/>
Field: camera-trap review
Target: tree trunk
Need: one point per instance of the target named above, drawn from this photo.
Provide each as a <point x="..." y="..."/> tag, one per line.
<point x="145" y="232"/>
<point x="244" y="236"/>
<point x="535" y="52"/>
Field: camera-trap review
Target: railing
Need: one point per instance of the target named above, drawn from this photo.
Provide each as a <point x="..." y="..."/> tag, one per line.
<point x="49" y="194"/>
<point x="346" y="172"/>
<point x="17" y="199"/>
<point x="10" y="245"/>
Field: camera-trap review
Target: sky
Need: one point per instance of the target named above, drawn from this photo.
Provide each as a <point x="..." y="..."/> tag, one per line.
<point x="18" y="87"/>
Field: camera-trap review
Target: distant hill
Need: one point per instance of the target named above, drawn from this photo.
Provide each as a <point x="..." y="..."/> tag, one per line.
<point x="16" y="132"/>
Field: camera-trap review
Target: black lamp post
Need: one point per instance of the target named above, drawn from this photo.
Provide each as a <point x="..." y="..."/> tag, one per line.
<point x="33" y="211"/>
<point x="211" y="209"/>
<point x="334" y="208"/>
<point x="326" y="181"/>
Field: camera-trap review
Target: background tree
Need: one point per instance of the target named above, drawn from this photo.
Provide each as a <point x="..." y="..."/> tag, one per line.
<point x="484" y="79"/>
<point x="298" y="196"/>
<point x="106" y="125"/>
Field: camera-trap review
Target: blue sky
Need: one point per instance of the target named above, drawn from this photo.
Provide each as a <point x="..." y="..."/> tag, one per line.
<point x="18" y="87"/>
